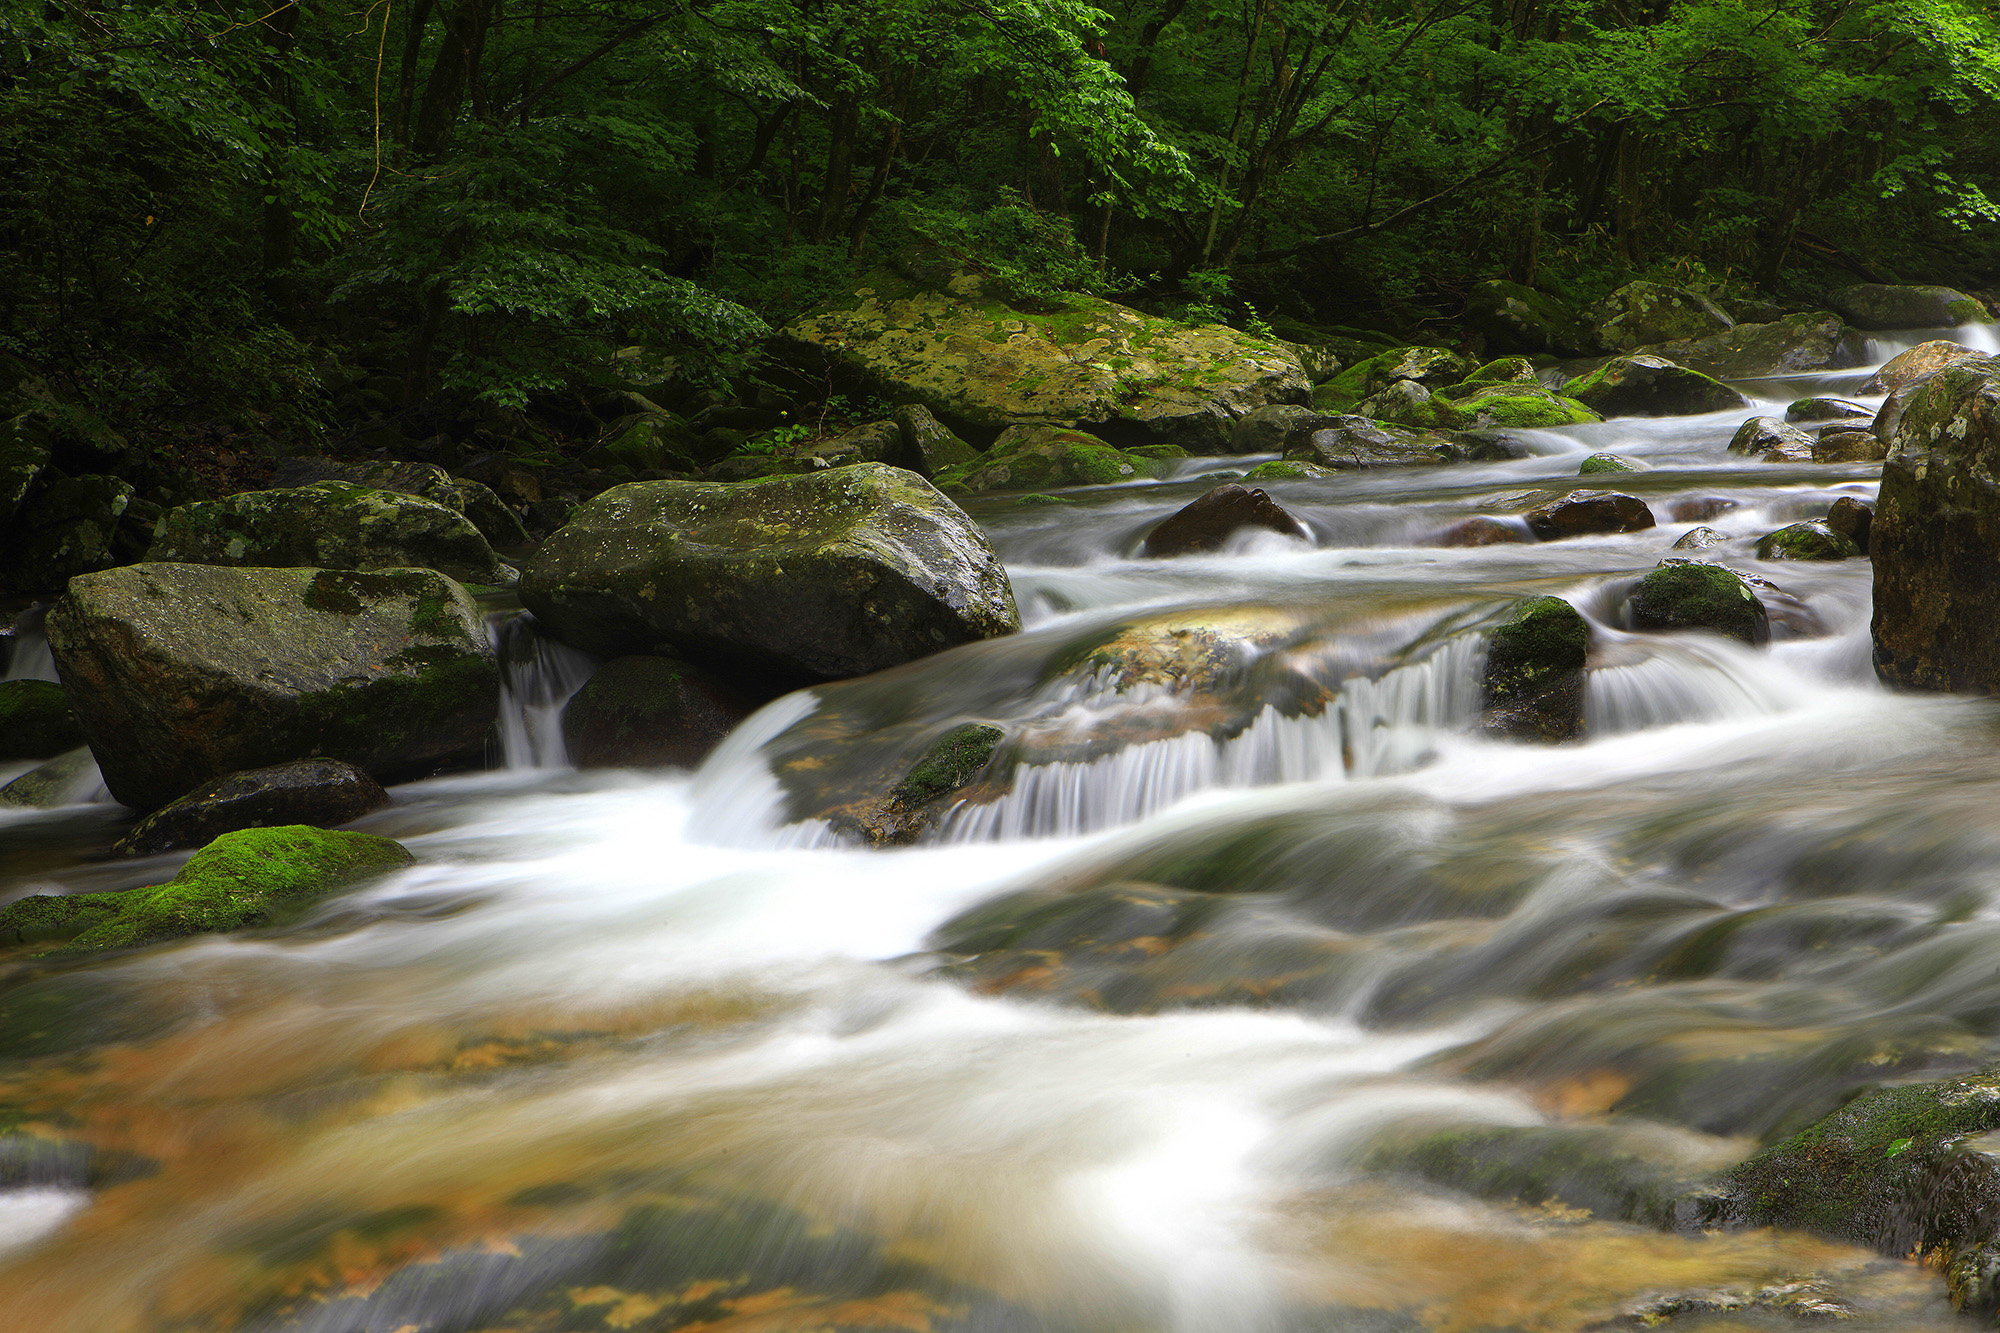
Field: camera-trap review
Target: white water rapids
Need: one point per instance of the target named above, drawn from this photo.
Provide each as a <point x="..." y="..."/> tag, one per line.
<point x="643" y="1050"/>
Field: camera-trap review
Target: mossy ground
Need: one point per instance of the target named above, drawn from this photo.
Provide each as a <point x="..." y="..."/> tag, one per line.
<point x="955" y="760"/>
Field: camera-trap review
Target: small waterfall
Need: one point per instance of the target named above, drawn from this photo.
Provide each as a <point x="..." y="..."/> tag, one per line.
<point x="1681" y="682"/>
<point x="30" y="658"/>
<point x="537" y="677"/>
<point x="1884" y="346"/>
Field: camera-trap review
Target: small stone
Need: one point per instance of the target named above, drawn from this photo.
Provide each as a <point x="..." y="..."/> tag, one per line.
<point x="1209" y="521"/>
<point x="1760" y="435"/>
<point x="1609" y="463"/>
<point x="1696" y="539"/>
<point x="1825" y="409"/>
<point x="1482" y="531"/>
<point x="1852" y="519"/>
<point x="1582" y="513"/>
<point x="1849" y="446"/>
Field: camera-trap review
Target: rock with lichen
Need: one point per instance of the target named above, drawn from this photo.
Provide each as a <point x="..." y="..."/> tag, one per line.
<point x="1689" y="595"/>
<point x="182" y="673"/>
<point x="1643" y="385"/>
<point x="1534" y="672"/>
<point x="1028" y="458"/>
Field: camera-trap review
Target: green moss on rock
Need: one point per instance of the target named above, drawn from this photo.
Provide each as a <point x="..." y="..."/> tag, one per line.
<point x="955" y="760"/>
<point x="1687" y="595"/>
<point x="1534" y="671"/>
<point x="1609" y="463"/>
<point x="1807" y="541"/>
<point x="35" y="721"/>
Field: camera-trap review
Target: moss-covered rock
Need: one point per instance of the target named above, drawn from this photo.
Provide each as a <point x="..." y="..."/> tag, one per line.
<point x="180" y="674"/>
<point x="35" y="721"/>
<point x="1912" y="364"/>
<point x="320" y="792"/>
<point x="255" y="877"/>
<point x="1687" y="595"/>
<point x="1608" y="463"/>
<point x="1787" y="346"/>
<point x="1877" y="305"/>
<point x="68" y="779"/>
<point x="1644" y="314"/>
<point x="644" y="712"/>
<point x="954" y="762"/>
<point x="1505" y="370"/>
<point x="1760" y="435"/>
<point x="1264" y="431"/>
<point x="1034" y="457"/>
<point x="1806" y="541"/>
<point x="1347" y="443"/>
<point x="1288" y="469"/>
<point x="1409" y="403"/>
<point x="1534" y="672"/>
<point x="1853" y="519"/>
<point x="1825" y="409"/>
<point x="1890" y="417"/>
<point x="327" y="525"/>
<point x="1522" y="407"/>
<point x="1515" y="318"/>
<point x="929" y="445"/>
<point x="791" y="579"/>
<point x="484" y="509"/>
<point x="979" y="363"/>
<point x="1644" y="385"/>
<point x="426" y="481"/>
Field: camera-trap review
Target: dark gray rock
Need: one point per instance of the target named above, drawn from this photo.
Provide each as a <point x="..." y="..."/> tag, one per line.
<point x="1582" y="513"/>
<point x="1874" y="305"/>
<point x="324" y="793"/>
<point x="649" y="712"/>
<point x="1208" y="522"/>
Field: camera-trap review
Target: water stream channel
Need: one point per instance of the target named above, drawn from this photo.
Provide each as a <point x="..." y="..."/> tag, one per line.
<point x="1163" y="1037"/>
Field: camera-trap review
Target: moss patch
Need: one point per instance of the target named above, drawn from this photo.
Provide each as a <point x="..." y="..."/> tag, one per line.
<point x="35" y="721"/>
<point x="955" y="760"/>
<point x="1543" y="640"/>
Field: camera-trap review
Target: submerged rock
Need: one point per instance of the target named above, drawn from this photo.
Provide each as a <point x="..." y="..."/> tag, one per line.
<point x="1480" y="530"/>
<point x="1651" y="386"/>
<point x="1696" y="539"/>
<point x="1876" y="305"/>
<point x="1208" y="522"/>
<point x="644" y="712"/>
<point x="1609" y="463"/>
<point x="1687" y="595"/>
<point x="254" y="877"/>
<point x="1584" y="513"/>
<point x="181" y="674"/>
<point x="1806" y="541"/>
<point x="35" y="720"/>
<point x="792" y="579"/>
<point x="320" y="792"/>
<point x="1534" y="672"/>
<point x="68" y="778"/>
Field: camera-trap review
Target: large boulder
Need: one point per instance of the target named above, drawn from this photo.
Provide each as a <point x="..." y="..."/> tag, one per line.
<point x="1208" y="522"/>
<point x="180" y="674"/>
<point x="1346" y="443"/>
<point x="426" y="481"/>
<point x="1787" y="346"/>
<point x="1645" y="314"/>
<point x="1264" y="431"/>
<point x="1936" y="537"/>
<point x="646" y="712"/>
<point x="1876" y="305"/>
<point x="792" y="579"/>
<point x="1518" y="407"/>
<point x="35" y="721"/>
<point x="1651" y="386"/>
<point x="1028" y="458"/>
<point x="1407" y="402"/>
<point x="1533" y="679"/>
<point x="1584" y="513"/>
<point x="1916" y="376"/>
<point x="319" y="792"/>
<point x="1514" y="318"/>
<point x="327" y="525"/>
<point x="1908" y="366"/>
<point x="980" y="364"/>
<point x="1687" y="595"/>
<point x="255" y="877"/>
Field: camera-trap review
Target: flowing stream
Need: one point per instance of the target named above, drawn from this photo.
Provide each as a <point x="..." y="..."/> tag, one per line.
<point x="1162" y="1034"/>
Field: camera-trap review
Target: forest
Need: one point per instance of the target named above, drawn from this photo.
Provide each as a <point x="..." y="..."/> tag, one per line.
<point x="250" y="229"/>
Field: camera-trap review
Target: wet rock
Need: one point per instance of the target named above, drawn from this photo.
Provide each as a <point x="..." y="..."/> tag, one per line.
<point x="1935" y="536"/>
<point x="929" y="445"/>
<point x="1698" y="539"/>
<point x="1432" y="367"/>
<point x="1806" y="541"/>
<point x="869" y="442"/>
<point x="1825" y="409"/>
<point x="1906" y="368"/>
<point x="1506" y="370"/>
<point x="1651" y="386"/>
<point x="1874" y="305"/>
<point x="24" y="452"/>
<point x="1034" y="457"/>
<point x="1699" y="508"/>
<point x="958" y="759"/>
<point x="426" y="481"/>
<point x="1406" y="402"/>
<point x="1848" y="446"/>
<point x="1521" y="407"/>
<point x="653" y="441"/>
<point x="327" y="525"/>
<point x="1786" y="346"/>
<point x="1760" y="435"/>
<point x="484" y="509"/>
<point x="35" y="721"/>
<point x="1609" y="463"/>
<point x="67" y="526"/>
<point x="1264" y="431"/>
<point x="1582" y="513"/>
<point x="793" y="579"/>
<point x="1515" y="318"/>
<point x="1482" y="531"/>
<point x="67" y="779"/>
<point x="254" y="877"/>
<point x="1288" y="469"/>
<point x="646" y="712"/>
<point x="1852" y="519"/>
<point x="1211" y="520"/>
<point x="324" y="793"/>
<point x="1534" y="672"/>
<point x="1346" y="443"/>
<point x="1643" y="314"/>
<point x="979" y="363"/>
<point x="180" y="674"/>
<point x="1891" y="415"/>
<point x="1688" y="595"/>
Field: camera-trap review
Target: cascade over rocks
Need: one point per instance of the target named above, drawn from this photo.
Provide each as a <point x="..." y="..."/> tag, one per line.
<point x="1208" y="522"/>
<point x="791" y="579"/>
<point x="1644" y="385"/>
<point x="1644" y="314"/>
<point x="646" y="712"/>
<point x="1875" y="305"/>
<point x="327" y="525"/>
<point x="388" y="670"/>
<point x="1686" y="595"/>
<point x="1936" y="536"/>
<point x="320" y="792"/>
<point x="1534" y="672"/>
<point x="1346" y="443"/>
<point x="1584" y="513"/>
<point x="980" y="364"/>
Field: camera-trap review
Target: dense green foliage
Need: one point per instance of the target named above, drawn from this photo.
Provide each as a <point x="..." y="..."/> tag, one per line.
<point x="222" y="210"/>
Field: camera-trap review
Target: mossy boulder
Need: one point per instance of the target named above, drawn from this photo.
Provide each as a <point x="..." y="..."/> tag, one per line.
<point x="1515" y="318"/>
<point x="426" y="481"/>
<point x="929" y="445"/>
<point x="1645" y="314"/>
<point x="321" y="792"/>
<point x="35" y="721"/>
<point x="180" y="674"/>
<point x="65" y="526"/>
<point x="1409" y="403"/>
<point x="787" y="580"/>
<point x="1789" y="346"/>
<point x="1608" y="463"/>
<point x="1288" y="469"/>
<point x="1936" y="537"/>
<point x="1760" y="435"/>
<point x="648" y="712"/>
<point x="1264" y="431"/>
<point x="1890" y="417"/>
<point x="1913" y="364"/>
<point x="496" y="520"/>
<point x="1825" y="409"/>
<point x="980" y="363"/>
<point x="1505" y="370"/>
<point x="327" y="525"/>
<point x="24" y="452"/>
<point x="653" y="442"/>
<point x="1534" y="672"/>
<point x="1687" y="595"/>
<point x="1651" y="386"/>
<point x="1522" y="407"/>
<point x="1432" y="367"/>
<point x="1878" y="305"/>
<point x="1347" y="443"/>
<point x="1028" y="458"/>
<point x="254" y="877"/>
<point x="1806" y="541"/>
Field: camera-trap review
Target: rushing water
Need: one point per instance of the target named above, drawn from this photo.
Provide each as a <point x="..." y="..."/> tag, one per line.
<point x="1152" y="1039"/>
